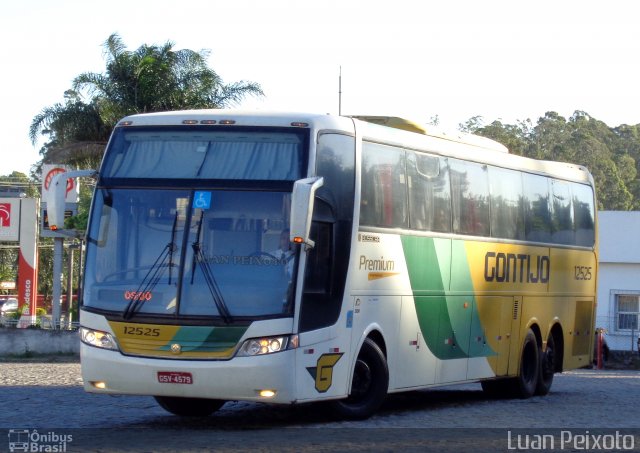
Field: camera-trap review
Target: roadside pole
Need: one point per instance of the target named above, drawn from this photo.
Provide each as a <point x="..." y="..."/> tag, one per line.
<point x="57" y="283"/>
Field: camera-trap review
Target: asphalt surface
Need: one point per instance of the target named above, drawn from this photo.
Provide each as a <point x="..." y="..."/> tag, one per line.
<point x="587" y="410"/>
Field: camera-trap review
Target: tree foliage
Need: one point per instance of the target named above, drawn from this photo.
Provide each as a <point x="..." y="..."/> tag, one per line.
<point x="611" y="154"/>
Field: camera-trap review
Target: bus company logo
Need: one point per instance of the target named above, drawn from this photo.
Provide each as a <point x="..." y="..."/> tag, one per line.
<point x="30" y="440"/>
<point x="520" y="268"/>
<point x="364" y="237"/>
<point x="323" y="371"/>
<point x="5" y="215"/>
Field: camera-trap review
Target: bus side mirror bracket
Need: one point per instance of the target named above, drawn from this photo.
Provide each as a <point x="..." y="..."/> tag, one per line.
<point x="56" y="200"/>
<point x="304" y="191"/>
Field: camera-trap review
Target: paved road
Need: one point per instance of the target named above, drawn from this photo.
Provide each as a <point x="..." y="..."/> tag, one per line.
<point x="48" y="398"/>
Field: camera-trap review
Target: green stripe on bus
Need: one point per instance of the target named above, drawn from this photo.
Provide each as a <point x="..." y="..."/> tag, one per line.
<point x="206" y="339"/>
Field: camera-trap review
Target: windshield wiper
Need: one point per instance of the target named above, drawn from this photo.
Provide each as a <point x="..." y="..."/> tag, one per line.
<point x="214" y="289"/>
<point x="155" y="273"/>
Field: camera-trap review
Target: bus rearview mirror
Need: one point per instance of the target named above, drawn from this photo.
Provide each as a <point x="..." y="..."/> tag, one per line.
<point x="302" y="201"/>
<point x="56" y="200"/>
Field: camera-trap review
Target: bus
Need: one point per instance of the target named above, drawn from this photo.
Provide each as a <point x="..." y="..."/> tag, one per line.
<point x="293" y="258"/>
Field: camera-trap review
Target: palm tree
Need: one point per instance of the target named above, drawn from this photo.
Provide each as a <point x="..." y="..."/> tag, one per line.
<point x="157" y="78"/>
<point x="75" y="129"/>
<point x="150" y="79"/>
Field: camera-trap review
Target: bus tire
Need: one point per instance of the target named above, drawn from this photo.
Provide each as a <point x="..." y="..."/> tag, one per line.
<point x="189" y="407"/>
<point x="368" y="387"/>
<point x="525" y="384"/>
<point x="547" y="367"/>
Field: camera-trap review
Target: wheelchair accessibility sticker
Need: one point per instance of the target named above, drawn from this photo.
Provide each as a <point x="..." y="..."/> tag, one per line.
<point x="202" y="200"/>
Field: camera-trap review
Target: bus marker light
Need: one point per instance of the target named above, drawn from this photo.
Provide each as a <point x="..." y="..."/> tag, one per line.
<point x="99" y="384"/>
<point x="298" y="240"/>
<point x="334" y="350"/>
<point x="208" y="122"/>
<point x="299" y="124"/>
<point x="189" y="121"/>
<point x="267" y="393"/>
<point x="309" y="351"/>
<point x="227" y="122"/>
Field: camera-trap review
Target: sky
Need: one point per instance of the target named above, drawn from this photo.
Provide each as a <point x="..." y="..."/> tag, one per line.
<point x="506" y="60"/>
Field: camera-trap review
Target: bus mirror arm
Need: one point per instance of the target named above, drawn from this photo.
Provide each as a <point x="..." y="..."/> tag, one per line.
<point x="56" y="200"/>
<point x="302" y="201"/>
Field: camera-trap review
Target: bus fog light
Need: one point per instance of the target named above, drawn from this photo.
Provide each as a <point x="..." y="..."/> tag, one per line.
<point x="267" y="393"/>
<point x="98" y="384"/>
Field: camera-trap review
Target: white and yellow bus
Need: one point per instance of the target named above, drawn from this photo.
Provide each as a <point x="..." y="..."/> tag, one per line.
<point x="293" y="258"/>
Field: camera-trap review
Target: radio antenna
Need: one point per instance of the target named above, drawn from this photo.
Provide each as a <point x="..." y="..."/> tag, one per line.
<point x="340" y="92"/>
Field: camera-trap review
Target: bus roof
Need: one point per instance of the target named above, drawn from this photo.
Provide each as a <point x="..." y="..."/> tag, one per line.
<point x="411" y="126"/>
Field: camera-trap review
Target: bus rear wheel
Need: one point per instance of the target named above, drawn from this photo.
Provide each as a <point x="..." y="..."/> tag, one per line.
<point x="547" y="367"/>
<point x="189" y="407"/>
<point x="369" y="385"/>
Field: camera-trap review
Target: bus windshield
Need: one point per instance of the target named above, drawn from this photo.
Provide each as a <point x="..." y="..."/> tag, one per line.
<point x="212" y="253"/>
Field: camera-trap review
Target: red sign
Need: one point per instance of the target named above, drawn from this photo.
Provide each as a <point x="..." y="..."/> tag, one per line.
<point x="51" y="174"/>
<point x="5" y="215"/>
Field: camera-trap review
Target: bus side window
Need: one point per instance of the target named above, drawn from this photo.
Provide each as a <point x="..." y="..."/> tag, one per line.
<point x="562" y="214"/>
<point x="584" y="214"/>
<point x="469" y="197"/>
<point x="384" y="191"/>
<point x="537" y="215"/>
<point x="507" y="216"/>
<point x="429" y="193"/>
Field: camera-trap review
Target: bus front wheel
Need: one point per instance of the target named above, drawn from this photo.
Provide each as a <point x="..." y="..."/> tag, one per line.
<point x="189" y="407"/>
<point x="369" y="384"/>
<point x="527" y="380"/>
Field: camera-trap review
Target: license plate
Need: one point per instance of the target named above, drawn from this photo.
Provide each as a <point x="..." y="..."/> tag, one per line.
<point x="174" y="377"/>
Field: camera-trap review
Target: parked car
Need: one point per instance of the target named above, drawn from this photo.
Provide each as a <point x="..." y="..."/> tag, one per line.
<point x="10" y="306"/>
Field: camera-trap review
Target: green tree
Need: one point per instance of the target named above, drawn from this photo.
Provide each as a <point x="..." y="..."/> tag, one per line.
<point x="19" y="183"/>
<point x="516" y="137"/>
<point x="612" y="155"/>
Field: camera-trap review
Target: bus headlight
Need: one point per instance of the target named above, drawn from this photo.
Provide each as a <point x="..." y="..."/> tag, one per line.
<point x="98" y="339"/>
<point x="266" y="345"/>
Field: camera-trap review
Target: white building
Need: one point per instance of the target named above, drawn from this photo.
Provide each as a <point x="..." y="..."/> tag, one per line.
<point x="618" y="303"/>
